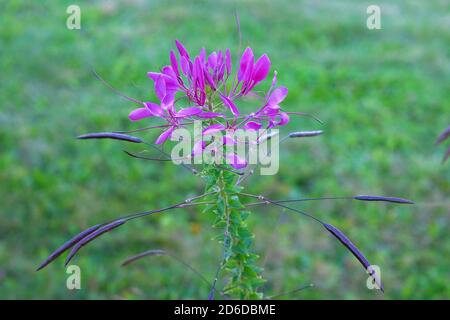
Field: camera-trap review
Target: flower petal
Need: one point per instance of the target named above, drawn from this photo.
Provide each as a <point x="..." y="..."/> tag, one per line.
<point x="139" y="114"/>
<point x="228" y="140"/>
<point x="212" y="60"/>
<point x="213" y="129"/>
<point x="252" y="125"/>
<point x="198" y="148"/>
<point x="209" y="115"/>
<point x="170" y="73"/>
<point x="209" y="79"/>
<point x="228" y="61"/>
<point x="261" y="69"/>
<point x="160" y="88"/>
<point x="202" y="54"/>
<point x="274" y="79"/>
<point x="154" y="75"/>
<point x="169" y="77"/>
<point x="164" y="136"/>
<point x="277" y="96"/>
<point x="181" y="49"/>
<point x="168" y="100"/>
<point x="247" y="77"/>
<point x="154" y="109"/>
<point x="230" y="105"/>
<point x="199" y="75"/>
<point x="185" y="68"/>
<point x="271" y="111"/>
<point x="284" y="119"/>
<point x="246" y="60"/>
<point x="235" y="161"/>
<point x="187" y="112"/>
<point x="174" y="63"/>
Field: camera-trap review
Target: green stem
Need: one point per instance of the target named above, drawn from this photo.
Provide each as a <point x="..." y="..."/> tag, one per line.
<point x="238" y="263"/>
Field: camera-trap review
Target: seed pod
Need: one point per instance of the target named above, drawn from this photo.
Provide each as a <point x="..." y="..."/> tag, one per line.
<point x="305" y="134"/>
<point x="267" y="137"/>
<point x="381" y="198"/>
<point x="110" y="135"/>
<point x="353" y="249"/>
<point x="444" y="135"/>
<point x="106" y="228"/>
<point x="447" y="154"/>
<point x="67" y="245"/>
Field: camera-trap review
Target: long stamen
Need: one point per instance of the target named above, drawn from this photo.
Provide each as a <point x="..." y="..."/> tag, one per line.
<point x="114" y="89"/>
<point x="168" y="254"/>
<point x="264" y="199"/>
<point x="185" y="203"/>
<point x="143" y="129"/>
<point x="302" y="199"/>
<point x="149" y="158"/>
<point x="191" y="169"/>
<point x="305" y="115"/>
<point x="290" y="292"/>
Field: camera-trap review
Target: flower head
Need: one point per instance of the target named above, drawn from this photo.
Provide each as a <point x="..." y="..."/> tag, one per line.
<point x="211" y="91"/>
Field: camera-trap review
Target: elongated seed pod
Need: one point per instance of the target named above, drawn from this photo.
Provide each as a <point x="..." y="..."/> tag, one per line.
<point x="353" y="249"/>
<point x="447" y="154"/>
<point x="142" y="255"/>
<point x="67" y="245"/>
<point x="305" y="134"/>
<point x="385" y="199"/>
<point x="106" y="228"/>
<point x="110" y="135"/>
<point x="267" y="137"/>
<point x="444" y="135"/>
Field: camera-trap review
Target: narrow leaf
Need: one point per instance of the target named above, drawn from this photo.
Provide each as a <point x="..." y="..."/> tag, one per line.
<point x="67" y="245"/>
<point x="381" y="198"/>
<point x="110" y="135"/>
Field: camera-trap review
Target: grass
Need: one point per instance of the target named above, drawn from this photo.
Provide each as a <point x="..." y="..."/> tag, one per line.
<point x="383" y="95"/>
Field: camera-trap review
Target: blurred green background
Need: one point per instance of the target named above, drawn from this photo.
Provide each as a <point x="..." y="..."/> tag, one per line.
<point x="384" y="96"/>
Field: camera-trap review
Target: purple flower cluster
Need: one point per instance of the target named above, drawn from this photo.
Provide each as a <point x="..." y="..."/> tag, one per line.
<point x="203" y="81"/>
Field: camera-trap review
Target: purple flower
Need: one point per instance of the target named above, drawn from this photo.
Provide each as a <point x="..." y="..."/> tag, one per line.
<point x="272" y="110"/>
<point x="139" y="114"/>
<point x="235" y="161"/>
<point x="250" y="73"/>
<point x="252" y="125"/>
<point x="246" y="64"/>
<point x="188" y="112"/>
<point x="201" y="81"/>
<point x="213" y="129"/>
<point x="230" y="105"/>
<point x="165" y="135"/>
